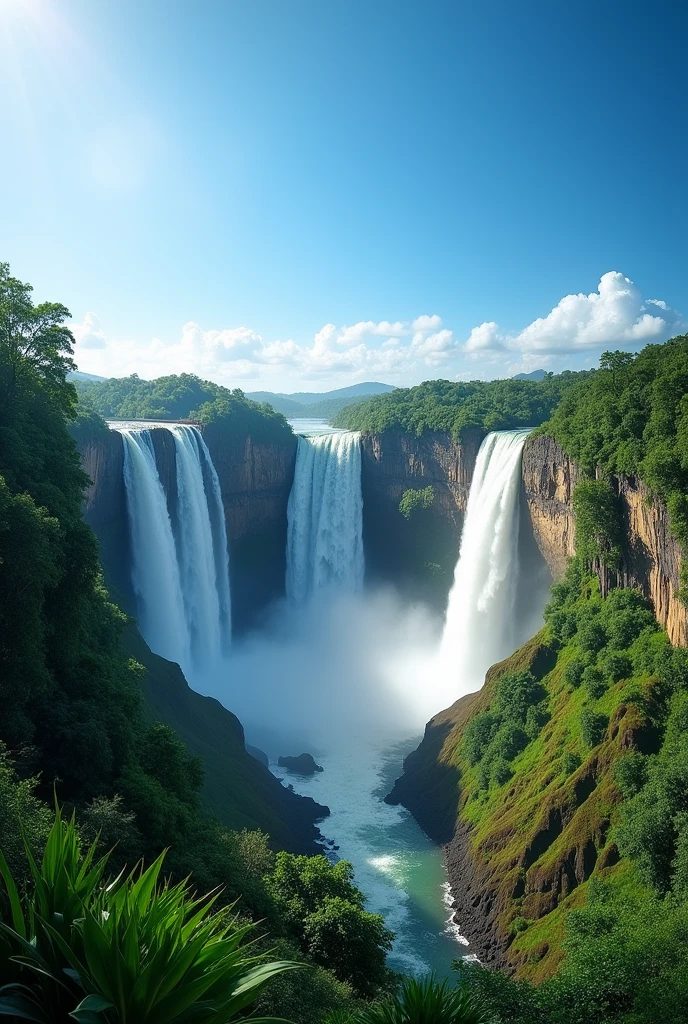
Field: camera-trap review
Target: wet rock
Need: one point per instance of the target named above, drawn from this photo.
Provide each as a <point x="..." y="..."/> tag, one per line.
<point x="304" y="764"/>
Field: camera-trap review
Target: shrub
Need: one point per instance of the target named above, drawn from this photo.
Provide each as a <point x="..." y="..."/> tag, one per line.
<point x="630" y="773"/>
<point x="591" y="636"/>
<point x="537" y="716"/>
<point x="574" y="673"/>
<point x="593" y="726"/>
<point x="324" y="912"/>
<point x="519" y="924"/>
<point x="414" y="500"/>
<point x="477" y="736"/>
<point x="625" y="626"/>
<point x="616" y="666"/>
<point x="594" y="682"/>
<point x="500" y="771"/>
<point x="570" y="763"/>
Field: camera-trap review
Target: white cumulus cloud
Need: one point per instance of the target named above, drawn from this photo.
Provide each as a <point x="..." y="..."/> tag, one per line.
<point x="572" y="334"/>
<point x="613" y="315"/>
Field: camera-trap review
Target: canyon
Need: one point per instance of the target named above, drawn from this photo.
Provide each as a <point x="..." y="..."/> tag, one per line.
<point x="256" y="479"/>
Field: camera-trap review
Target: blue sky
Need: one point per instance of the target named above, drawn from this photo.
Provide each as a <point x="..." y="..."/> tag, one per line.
<point x="292" y="194"/>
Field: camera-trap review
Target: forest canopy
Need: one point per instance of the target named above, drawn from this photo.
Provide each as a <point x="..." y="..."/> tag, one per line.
<point x="456" y="407"/>
<point x="181" y="396"/>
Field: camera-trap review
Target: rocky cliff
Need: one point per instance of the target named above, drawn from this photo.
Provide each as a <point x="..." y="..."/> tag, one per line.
<point x="417" y="555"/>
<point x="255" y="479"/>
<point x="651" y="555"/>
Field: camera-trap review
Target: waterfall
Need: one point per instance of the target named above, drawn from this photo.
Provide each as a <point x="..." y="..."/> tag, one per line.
<point x="202" y="551"/>
<point x="181" y="582"/>
<point x="155" y="572"/>
<point x="480" y="626"/>
<point x="325" y="517"/>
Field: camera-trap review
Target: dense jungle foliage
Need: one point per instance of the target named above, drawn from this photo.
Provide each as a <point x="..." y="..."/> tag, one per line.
<point x="72" y="725"/>
<point x="443" y="405"/>
<point x="600" y="737"/>
<point x="631" y="417"/>
<point x="182" y="396"/>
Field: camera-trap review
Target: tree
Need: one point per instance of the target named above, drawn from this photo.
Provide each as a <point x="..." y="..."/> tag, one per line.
<point x="34" y="343"/>
<point x="324" y="911"/>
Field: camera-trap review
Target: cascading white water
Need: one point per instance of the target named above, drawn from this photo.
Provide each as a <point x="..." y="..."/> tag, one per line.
<point x="155" y="572"/>
<point x="181" y="585"/>
<point x="480" y="624"/>
<point x="325" y="517"/>
<point x="202" y="556"/>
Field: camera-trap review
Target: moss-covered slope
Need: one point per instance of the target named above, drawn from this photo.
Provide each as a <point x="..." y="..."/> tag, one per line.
<point x="519" y="778"/>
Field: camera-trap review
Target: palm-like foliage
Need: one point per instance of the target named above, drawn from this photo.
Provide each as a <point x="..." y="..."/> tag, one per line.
<point x="135" y="951"/>
<point x="427" y="1002"/>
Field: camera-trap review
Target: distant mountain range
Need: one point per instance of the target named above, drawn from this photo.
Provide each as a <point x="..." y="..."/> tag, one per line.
<point x="319" y="405"/>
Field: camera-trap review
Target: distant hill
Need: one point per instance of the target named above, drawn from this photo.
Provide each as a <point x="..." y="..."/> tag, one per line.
<point x="533" y="375"/>
<point x="80" y="375"/>
<point x="320" y="405"/>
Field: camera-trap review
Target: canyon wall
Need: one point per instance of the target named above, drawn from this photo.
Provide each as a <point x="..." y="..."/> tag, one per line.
<point x="651" y="554"/>
<point x="255" y="480"/>
<point x="417" y="555"/>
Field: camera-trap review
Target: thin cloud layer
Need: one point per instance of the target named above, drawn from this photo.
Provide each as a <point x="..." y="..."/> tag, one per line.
<point x="573" y="333"/>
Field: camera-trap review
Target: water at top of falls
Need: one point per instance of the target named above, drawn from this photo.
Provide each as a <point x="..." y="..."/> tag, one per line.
<point x="325" y="517"/>
<point x="155" y="572"/>
<point x="480" y="625"/>
<point x="202" y="547"/>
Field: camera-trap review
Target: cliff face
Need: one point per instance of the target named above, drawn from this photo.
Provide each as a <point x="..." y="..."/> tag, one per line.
<point x="651" y="556"/>
<point x="418" y="554"/>
<point x="105" y="510"/>
<point x="255" y="480"/>
<point x="549" y="477"/>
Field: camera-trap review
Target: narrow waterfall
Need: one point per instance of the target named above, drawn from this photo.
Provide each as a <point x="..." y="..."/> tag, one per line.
<point x="155" y="571"/>
<point x="480" y="627"/>
<point x="325" y="517"/>
<point x="202" y="551"/>
<point x="181" y="582"/>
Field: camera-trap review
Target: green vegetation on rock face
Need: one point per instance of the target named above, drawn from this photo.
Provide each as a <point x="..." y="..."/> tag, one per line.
<point x="631" y="417"/>
<point x="415" y="499"/>
<point x="443" y="405"/>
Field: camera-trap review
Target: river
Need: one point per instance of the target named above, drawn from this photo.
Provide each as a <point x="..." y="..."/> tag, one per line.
<point x="398" y="868"/>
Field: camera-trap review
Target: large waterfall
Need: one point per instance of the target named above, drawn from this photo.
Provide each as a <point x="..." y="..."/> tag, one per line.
<point x="180" y="577"/>
<point x="155" y="571"/>
<point x="202" y="552"/>
<point x="325" y="517"/>
<point x="480" y="626"/>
